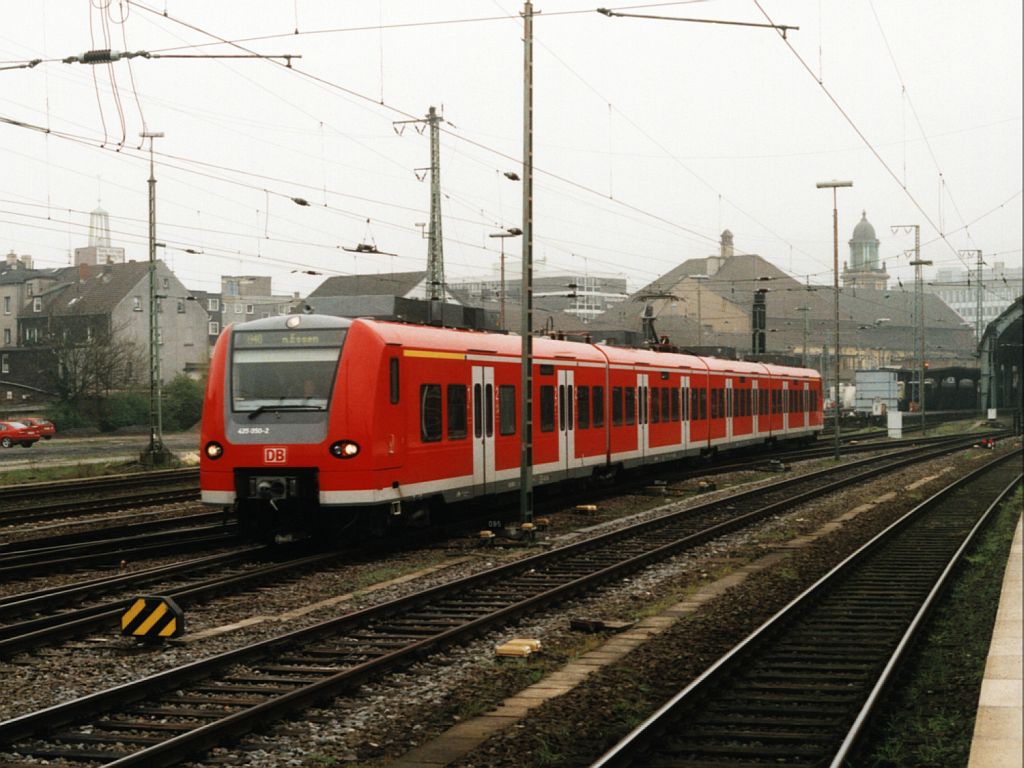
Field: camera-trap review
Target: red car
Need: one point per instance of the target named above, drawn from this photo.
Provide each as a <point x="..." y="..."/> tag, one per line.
<point x="12" y="432"/>
<point x="45" y="427"/>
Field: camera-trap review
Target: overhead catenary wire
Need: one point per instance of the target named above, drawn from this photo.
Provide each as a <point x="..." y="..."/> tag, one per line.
<point x="863" y="137"/>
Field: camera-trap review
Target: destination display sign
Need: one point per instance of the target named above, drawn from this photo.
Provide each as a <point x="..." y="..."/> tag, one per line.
<point x="325" y="337"/>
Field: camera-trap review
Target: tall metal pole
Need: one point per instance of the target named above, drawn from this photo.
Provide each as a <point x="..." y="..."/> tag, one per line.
<point x="435" y="262"/>
<point x="979" y="322"/>
<point x="834" y="185"/>
<point x="700" y="322"/>
<point x="501" y="296"/>
<point x="526" y="326"/>
<point x="156" y="429"/>
<point x="919" y="264"/>
<point x="805" y="310"/>
<point x="919" y="347"/>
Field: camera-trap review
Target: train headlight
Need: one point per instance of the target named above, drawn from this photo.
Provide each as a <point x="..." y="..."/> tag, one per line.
<point x="344" y="449"/>
<point x="214" y="450"/>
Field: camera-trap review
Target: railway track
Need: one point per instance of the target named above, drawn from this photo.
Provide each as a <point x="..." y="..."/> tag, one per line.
<point x="799" y="690"/>
<point x="30" y="620"/>
<point x="184" y="534"/>
<point x="164" y="718"/>
<point x="36" y="502"/>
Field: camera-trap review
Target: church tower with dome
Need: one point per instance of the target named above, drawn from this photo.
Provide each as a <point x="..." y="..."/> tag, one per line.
<point x="862" y="270"/>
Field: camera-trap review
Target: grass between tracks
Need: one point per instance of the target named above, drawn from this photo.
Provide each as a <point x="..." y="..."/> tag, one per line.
<point x="929" y="720"/>
<point x="43" y="474"/>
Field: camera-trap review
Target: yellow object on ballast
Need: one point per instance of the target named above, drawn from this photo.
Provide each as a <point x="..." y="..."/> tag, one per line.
<point x="519" y="647"/>
<point x="152" y="617"/>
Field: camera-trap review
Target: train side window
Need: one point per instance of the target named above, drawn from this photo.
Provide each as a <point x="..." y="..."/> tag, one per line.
<point x="456" y="411"/>
<point x="630" y="393"/>
<point x="489" y="409"/>
<point x="561" y="407"/>
<point x="598" y="406"/>
<point x="665" y="404"/>
<point x="547" y="408"/>
<point x="703" y="405"/>
<point x="694" y="404"/>
<point x="684" y="404"/>
<point x="430" y="413"/>
<point x="714" y="403"/>
<point x="506" y="409"/>
<point x="568" y="405"/>
<point x="393" y="376"/>
<point x="675" y="404"/>
<point x="655" y="406"/>
<point x="478" y="414"/>
<point x="583" y="407"/>
<point x="617" y="406"/>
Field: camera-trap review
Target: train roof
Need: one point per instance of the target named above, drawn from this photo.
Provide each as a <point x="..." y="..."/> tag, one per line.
<point x="461" y="340"/>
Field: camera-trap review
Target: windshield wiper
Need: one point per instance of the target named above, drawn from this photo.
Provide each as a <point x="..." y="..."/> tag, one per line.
<point x="266" y="408"/>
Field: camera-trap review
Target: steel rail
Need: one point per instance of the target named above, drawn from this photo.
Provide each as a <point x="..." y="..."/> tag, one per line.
<point x="393" y="633"/>
<point x="42" y="630"/>
<point x="635" y="747"/>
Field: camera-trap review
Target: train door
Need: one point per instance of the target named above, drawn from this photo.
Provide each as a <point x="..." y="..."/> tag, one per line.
<point x="642" y="410"/>
<point x="566" y="423"/>
<point x="754" y="395"/>
<point x="684" y="410"/>
<point x="728" y="409"/>
<point x="483" y="428"/>
<point x="785" y="407"/>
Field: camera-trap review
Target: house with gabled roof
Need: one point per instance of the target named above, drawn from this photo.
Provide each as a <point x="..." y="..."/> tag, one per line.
<point x="86" y="302"/>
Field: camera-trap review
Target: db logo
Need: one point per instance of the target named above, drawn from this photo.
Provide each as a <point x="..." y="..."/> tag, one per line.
<point x="275" y="455"/>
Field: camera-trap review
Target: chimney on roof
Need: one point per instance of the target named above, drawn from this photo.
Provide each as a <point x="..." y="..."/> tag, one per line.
<point x="12" y="260"/>
<point x="26" y="262"/>
<point x="83" y="272"/>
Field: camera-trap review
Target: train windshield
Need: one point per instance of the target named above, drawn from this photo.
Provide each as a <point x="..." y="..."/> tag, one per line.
<point x="284" y="370"/>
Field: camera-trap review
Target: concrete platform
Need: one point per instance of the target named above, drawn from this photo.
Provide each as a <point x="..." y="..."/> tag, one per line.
<point x="999" y="727"/>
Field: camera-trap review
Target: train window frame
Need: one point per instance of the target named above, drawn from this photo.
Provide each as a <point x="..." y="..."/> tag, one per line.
<point x="430" y="431"/>
<point x="547" y="408"/>
<point x="674" y="404"/>
<point x="506" y="409"/>
<point x="655" y="406"/>
<point x="393" y="380"/>
<point x="598" y="402"/>
<point x="703" y="401"/>
<point x="583" y="407"/>
<point x="478" y="417"/>
<point x="457" y="421"/>
<point x="630" y="405"/>
<point x="569" y="406"/>
<point x="665" y="400"/>
<point x="617" y="409"/>
<point x="561" y="407"/>
<point x="489" y="410"/>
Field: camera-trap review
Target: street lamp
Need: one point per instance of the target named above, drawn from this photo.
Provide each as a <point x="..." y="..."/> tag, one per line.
<point x="509" y="232"/>
<point x="155" y="454"/>
<point x="700" y="325"/>
<point x="834" y="185"/>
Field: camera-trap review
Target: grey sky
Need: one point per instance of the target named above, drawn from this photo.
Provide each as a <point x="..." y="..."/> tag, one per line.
<point x="650" y="136"/>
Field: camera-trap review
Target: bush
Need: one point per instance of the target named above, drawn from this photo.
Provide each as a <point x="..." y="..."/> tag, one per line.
<point x="67" y="416"/>
<point x="182" y="403"/>
<point x="124" y="409"/>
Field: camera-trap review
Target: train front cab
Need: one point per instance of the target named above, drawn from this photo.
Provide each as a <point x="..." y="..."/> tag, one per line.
<point x="268" y="425"/>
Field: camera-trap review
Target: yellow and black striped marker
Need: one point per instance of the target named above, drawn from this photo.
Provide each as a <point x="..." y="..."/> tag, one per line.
<point x="152" y="618"/>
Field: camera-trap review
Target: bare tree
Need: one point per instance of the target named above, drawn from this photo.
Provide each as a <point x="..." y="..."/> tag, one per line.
<point x="89" y="360"/>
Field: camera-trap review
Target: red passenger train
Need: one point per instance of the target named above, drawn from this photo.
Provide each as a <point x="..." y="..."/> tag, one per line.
<point x="312" y="421"/>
